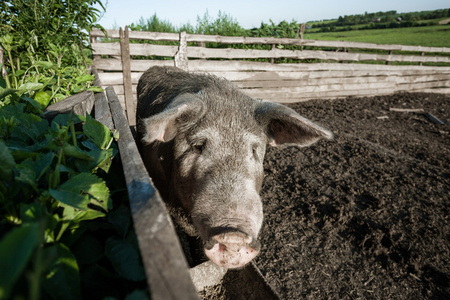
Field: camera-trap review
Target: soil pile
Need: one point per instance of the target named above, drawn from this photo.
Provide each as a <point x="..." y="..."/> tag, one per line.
<point x="365" y="216"/>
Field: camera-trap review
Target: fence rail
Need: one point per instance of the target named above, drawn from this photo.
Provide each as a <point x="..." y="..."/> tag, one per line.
<point x="341" y="68"/>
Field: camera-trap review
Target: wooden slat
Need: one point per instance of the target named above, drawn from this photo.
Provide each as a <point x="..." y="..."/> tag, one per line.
<point x="117" y="78"/>
<point x="108" y="79"/>
<point x="252" y="66"/>
<point x="135" y="49"/>
<point x="230" y="53"/>
<point x="299" y="76"/>
<point x="155" y="36"/>
<point x="128" y="93"/>
<point x="110" y="64"/>
<point x="102" y="112"/>
<point x="165" y="265"/>
<point x="138" y="35"/>
<point x="79" y="103"/>
<point x="341" y="80"/>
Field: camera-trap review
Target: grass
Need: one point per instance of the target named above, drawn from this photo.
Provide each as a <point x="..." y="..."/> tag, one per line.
<point x="432" y="36"/>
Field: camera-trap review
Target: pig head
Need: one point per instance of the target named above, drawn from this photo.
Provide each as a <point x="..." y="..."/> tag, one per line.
<point x="203" y="143"/>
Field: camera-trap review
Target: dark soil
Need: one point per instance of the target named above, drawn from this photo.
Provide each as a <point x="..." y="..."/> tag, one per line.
<point x="365" y="216"/>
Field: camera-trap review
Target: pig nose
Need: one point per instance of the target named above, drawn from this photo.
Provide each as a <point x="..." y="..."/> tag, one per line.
<point x="231" y="249"/>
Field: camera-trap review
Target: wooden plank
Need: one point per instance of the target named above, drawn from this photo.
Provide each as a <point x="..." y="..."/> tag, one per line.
<point x="119" y="89"/>
<point x="230" y="53"/>
<point x="108" y="79"/>
<point x="110" y="64"/>
<point x="80" y="103"/>
<point x="157" y="36"/>
<point x="139" y="35"/>
<point x="125" y="52"/>
<point x="300" y="76"/>
<point x="220" y="67"/>
<point x="164" y="262"/>
<point x="251" y="66"/>
<point x="102" y="112"/>
<point x="156" y="50"/>
<point x="282" y="82"/>
<point x="311" y="43"/>
<point x="135" y="49"/>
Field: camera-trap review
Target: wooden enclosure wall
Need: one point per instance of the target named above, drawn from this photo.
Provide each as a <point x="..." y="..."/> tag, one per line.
<point x="339" y="73"/>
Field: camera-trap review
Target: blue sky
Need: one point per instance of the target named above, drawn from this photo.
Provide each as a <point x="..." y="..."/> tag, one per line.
<point x="251" y="13"/>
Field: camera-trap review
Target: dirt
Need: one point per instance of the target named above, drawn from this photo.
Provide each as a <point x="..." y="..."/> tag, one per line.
<point x="365" y="216"/>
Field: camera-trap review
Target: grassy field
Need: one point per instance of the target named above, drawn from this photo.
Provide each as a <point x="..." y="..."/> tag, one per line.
<point x="432" y="36"/>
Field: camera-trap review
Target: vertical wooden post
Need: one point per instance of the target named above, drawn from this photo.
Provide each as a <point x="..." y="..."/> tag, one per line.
<point x="130" y="104"/>
<point x="302" y="30"/>
<point x="181" y="59"/>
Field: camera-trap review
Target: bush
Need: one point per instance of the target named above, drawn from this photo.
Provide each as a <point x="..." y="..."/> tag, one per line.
<point x="61" y="237"/>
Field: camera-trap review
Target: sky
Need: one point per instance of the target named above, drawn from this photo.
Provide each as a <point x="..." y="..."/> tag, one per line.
<point x="251" y="13"/>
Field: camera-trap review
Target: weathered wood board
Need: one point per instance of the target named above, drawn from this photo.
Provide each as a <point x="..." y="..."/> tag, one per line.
<point x="281" y="82"/>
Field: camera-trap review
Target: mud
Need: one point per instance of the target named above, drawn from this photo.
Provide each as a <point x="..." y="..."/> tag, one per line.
<point x="365" y="216"/>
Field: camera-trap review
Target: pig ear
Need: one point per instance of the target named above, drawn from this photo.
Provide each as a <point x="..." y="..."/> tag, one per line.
<point x="284" y="126"/>
<point x="184" y="110"/>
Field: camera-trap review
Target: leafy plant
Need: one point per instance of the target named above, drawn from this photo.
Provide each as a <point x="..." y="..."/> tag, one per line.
<point x="62" y="193"/>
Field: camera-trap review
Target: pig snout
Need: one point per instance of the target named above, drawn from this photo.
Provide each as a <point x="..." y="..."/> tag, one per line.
<point x="231" y="249"/>
<point x="229" y="224"/>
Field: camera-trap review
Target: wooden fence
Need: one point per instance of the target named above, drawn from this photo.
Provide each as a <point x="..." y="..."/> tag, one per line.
<point x="336" y="71"/>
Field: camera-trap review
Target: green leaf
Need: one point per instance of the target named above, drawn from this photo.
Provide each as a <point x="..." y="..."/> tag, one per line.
<point x="81" y="189"/>
<point x="6" y="92"/>
<point x="45" y="64"/>
<point x="63" y="279"/>
<point x="63" y="119"/>
<point x="26" y="174"/>
<point x="76" y="216"/>
<point x="16" y="249"/>
<point x="125" y="259"/>
<point x="31" y="213"/>
<point x="95" y="89"/>
<point x="6" y="161"/>
<point x="72" y="198"/>
<point x="73" y="151"/>
<point x="42" y="98"/>
<point x="97" y="132"/>
<point x="30" y="86"/>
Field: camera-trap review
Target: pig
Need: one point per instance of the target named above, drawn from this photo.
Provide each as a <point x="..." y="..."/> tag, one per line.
<point x="203" y="142"/>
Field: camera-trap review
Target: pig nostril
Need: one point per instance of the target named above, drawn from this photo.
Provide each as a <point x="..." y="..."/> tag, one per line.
<point x="209" y="244"/>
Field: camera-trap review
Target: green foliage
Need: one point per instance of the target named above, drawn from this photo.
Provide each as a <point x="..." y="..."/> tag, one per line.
<point x="47" y="79"/>
<point x="224" y="25"/>
<point x="39" y="23"/>
<point x="46" y="44"/>
<point x="46" y="193"/>
<point x="153" y="24"/>
<point x="58" y="180"/>
<point x="282" y="30"/>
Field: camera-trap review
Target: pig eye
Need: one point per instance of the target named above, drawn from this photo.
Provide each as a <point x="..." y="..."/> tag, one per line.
<point x="199" y="147"/>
